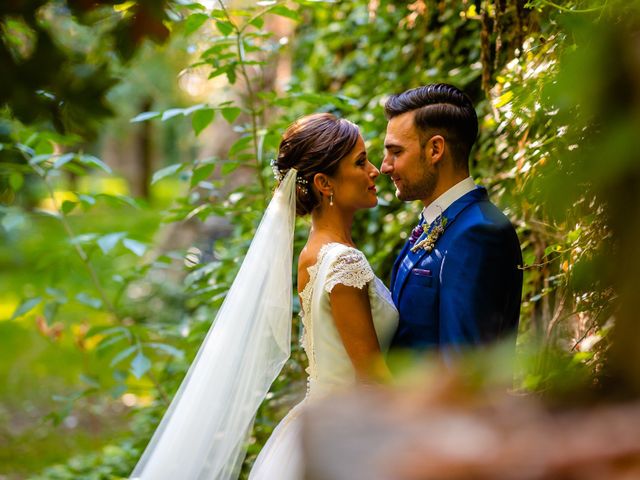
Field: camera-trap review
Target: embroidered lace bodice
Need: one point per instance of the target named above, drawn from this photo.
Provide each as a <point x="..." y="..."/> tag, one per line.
<point x="329" y="363"/>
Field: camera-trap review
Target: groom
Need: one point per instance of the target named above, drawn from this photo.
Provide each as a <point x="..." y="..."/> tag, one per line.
<point x="456" y="282"/>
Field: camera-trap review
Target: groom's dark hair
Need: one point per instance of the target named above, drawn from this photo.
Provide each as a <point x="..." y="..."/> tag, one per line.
<point x="441" y="109"/>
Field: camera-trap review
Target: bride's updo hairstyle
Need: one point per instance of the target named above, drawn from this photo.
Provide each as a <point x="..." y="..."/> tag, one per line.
<point x="314" y="144"/>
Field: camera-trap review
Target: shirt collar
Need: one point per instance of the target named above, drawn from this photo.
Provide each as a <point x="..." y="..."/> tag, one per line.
<point x="440" y="204"/>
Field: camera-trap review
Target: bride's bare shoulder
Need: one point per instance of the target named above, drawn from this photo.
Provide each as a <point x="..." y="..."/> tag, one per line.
<point x="308" y="255"/>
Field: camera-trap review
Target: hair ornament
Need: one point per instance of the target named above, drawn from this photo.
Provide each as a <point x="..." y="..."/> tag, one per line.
<point x="278" y="174"/>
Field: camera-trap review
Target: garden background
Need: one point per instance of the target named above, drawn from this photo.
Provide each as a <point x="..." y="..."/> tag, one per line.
<point x="135" y="141"/>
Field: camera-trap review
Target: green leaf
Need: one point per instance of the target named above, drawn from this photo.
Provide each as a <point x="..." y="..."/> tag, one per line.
<point x="231" y="73"/>
<point x="87" y="200"/>
<point x="173" y="351"/>
<point x="63" y="159"/>
<point x="118" y="390"/>
<point x="230" y="113"/>
<point x="217" y="72"/>
<point x="240" y="145"/>
<point x="68" y="206"/>
<point x="48" y="213"/>
<point x="225" y="27"/>
<point x="94" y="161"/>
<point x="552" y="248"/>
<point x="229" y="167"/>
<point x="16" y="180"/>
<point x="257" y="22"/>
<point x="25" y="307"/>
<point x="194" y="22"/>
<point x="109" y="341"/>
<point x="122" y="355"/>
<point x="141" y="117"/>
<point x="140" y="365"/>
<point x="191" y="5"/>
<point x="285" y="12"/>
<point x="197" y="211"/>
<point x="84" y="238"/>
<point x="218" y="49"/>
<point x="218" y="13"/>
<point x="89" y="300"/>
<point x="57" y="294"/>
<point x="134" y="246"/>
<point x="166" y="171"/>
<point x="91" y="381"/>
<point x="13" y="221"/>
<point x="574" y="235"/>
<point x="124" y="6"/>
<point x="200" y="173"/>
<point x="201" y="119"/>
<point x="172" y="112"/>
<point x="107" y="242"/>
<point x="114" y="199"/>
<point x="38" y="159"/>
<point x="194" y="108"/>
<point x="50" y="311"/>
<point x="107" y="330"/>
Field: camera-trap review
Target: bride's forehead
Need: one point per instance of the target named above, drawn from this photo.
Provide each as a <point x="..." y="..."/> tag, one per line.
<point x="358" y="148"/>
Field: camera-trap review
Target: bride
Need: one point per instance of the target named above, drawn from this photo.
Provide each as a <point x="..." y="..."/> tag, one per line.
<point x="347" y="313"/>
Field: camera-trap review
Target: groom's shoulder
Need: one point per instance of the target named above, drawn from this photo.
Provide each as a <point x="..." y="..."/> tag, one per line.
<point x="483" y="216"/>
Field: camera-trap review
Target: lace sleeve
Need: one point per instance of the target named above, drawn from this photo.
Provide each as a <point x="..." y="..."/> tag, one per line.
<point x="349" y="268"/>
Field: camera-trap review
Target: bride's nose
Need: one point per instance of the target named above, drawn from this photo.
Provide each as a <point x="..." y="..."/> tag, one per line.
<point x="374" y="172"/>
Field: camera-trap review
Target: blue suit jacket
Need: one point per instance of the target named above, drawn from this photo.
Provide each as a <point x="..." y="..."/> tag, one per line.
<point x="467" y="290"/>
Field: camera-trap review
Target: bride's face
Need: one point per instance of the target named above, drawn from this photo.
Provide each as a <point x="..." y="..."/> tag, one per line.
<point x="354" y="182"/>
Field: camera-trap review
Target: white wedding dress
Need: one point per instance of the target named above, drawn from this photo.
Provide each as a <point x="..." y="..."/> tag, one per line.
<point x="330" y="368"/>
<point x="203" y="433"/>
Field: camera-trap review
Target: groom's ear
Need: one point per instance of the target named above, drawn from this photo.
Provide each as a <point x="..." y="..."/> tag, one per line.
<point x="435" y="149"/>
<point x="323" y="184"/>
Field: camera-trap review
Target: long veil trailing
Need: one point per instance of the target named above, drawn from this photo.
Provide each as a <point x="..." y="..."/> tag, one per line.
<point x="202" y="434"/>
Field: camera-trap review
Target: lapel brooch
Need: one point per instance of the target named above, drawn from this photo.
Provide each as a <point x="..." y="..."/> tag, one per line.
<point x="430" y="240"/>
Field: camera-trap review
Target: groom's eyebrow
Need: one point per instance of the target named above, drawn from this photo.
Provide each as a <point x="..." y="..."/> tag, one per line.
<point x="389" y="146"/>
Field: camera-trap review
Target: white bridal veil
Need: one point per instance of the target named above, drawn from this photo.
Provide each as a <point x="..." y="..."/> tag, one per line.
<point x="202" y="434"/>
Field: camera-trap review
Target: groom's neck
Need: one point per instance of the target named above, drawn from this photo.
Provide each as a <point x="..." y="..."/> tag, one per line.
<point x="446" y="180"/>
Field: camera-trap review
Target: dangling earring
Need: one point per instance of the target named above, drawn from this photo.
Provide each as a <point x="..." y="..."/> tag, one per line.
<point x="331" y="200"/>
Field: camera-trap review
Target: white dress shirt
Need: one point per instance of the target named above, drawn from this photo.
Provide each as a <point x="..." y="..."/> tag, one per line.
<point x="440" y="204"/>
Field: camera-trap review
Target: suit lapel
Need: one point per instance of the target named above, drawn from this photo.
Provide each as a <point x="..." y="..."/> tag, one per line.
<point x="396" y="264"/>
<point x="410" y="259"/>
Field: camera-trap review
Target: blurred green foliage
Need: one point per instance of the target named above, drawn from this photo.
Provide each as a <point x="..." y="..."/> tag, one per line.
<point x="57" y="56"/>
<point x="556" y="89"/>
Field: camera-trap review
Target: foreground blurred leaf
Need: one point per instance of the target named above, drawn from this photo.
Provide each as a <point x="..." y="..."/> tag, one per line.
<point x="134" y="246"/>
<point x="201" y="119"/>
<point x="140" y="365"/>
<point x="122" y="355"/>
<point x="166" y="171"/>
<point x="107" y="242"/>
<point x="230" y="113"/>
<point x="25" y="307"/>
<point x="194" y="22"/>
<point x="90" y="160"/>
<point x="144" y="116"/>
<point x="284" y="12"/>
<point x="88" y="300"/>
<point x="201" y="173"/>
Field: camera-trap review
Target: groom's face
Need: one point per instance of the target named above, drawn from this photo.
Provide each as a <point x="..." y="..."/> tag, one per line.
<point x="406" y="160"/>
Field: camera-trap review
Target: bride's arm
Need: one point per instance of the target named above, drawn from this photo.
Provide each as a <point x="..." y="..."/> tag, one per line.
<point x="352" y="316"/>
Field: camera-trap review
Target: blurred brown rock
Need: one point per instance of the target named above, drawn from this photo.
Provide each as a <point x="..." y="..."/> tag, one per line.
<point x="385" y="434"/>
